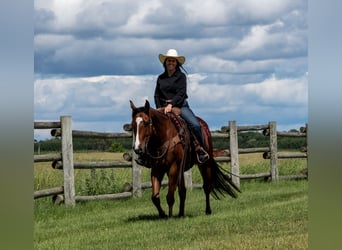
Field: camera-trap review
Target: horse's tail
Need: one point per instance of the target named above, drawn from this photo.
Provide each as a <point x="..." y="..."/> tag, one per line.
<point x="221" y="182"/>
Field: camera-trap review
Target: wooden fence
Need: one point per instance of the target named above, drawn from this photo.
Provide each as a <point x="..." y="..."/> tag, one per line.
<point x="64" y="160"/>
<point x="270" y="152"/>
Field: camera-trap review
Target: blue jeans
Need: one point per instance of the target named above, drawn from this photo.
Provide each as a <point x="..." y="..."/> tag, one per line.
<point x="192" y="122"/>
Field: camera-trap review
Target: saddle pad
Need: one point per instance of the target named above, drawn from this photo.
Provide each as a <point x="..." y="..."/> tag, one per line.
<point x="180" y="125"/>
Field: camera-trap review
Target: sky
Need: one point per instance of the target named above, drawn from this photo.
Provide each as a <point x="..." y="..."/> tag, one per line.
<point x="246" y="60"/>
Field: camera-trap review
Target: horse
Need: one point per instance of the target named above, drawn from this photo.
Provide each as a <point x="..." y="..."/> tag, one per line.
<point x="168" y="151"/>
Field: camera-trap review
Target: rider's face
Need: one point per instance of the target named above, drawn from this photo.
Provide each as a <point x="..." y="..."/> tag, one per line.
<point x="171" y="64"/>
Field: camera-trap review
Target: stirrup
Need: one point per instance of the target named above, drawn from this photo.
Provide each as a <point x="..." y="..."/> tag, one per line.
<point x="202" y="156"/>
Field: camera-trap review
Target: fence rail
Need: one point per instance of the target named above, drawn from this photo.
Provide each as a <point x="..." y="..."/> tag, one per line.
<point x="64" y="160"/>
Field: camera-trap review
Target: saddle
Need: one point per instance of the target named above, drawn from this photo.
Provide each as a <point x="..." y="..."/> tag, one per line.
<point x="184" y="133"/>
<point x="186" y="136"/>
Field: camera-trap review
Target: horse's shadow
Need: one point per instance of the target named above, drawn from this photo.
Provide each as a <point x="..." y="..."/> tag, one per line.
<point x="152" y="217"/>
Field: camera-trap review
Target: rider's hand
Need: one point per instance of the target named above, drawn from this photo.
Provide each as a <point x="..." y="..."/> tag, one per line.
<point x="168" y="108"/>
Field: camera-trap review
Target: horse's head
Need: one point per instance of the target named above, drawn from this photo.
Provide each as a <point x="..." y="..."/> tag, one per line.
<point x="141" y="124"/>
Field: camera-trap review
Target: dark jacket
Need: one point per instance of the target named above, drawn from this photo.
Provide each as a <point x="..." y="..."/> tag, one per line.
<point x="170" y="90"/>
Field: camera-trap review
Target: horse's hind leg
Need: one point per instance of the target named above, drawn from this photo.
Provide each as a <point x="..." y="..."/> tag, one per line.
<point x="182" y="197"/>
<point x="207" y="186"/>
<point x="207" y="202"/>
<point x="156" y="183"/>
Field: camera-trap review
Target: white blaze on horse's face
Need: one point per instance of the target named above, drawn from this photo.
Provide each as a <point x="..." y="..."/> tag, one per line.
<point x="138" y="120"/>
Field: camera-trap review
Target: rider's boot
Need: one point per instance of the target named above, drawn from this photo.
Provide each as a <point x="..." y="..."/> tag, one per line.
<point x="202" y="155"/>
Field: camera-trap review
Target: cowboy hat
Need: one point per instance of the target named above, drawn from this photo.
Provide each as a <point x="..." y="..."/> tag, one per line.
<point x="173" y="54"/>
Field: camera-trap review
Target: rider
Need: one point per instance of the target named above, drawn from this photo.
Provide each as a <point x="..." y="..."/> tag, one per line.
<point x="170" y="91"/>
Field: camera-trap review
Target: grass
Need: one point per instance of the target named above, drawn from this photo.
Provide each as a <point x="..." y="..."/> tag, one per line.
<point x="265" y="216"/>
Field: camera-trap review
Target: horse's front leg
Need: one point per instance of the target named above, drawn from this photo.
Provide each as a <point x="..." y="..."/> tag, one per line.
<point x="173" y="177"/>
<point x="156" y="184"/>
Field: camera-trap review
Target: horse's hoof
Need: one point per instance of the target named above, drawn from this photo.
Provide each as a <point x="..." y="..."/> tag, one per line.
<point x="163" y="216"/>
<point x="208" y="212"/>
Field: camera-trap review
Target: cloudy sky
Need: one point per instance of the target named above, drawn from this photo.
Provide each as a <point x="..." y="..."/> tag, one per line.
<point x="246" y="59"/>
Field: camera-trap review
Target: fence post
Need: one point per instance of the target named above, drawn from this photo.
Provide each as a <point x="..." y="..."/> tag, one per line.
<point x="306" y="145"/>
<point x="188" y="179"/>
<point x="234" y="153"/>
<point x="136" y="175"/>
<point x="273" y="151"/>
<point x="68" y="161"/>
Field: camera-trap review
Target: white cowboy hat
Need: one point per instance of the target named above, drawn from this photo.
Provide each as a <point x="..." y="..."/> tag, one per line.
<point x="173" y="54"/>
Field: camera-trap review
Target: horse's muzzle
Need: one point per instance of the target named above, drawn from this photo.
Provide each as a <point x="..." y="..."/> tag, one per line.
<point x="139" y="150"/>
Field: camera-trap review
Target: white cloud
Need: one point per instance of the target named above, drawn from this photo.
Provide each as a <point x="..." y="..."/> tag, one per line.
<point x="89" y="98"/>
<point x="263" y="9"/>
<point x="271" y="41"/>
<point x="66" y="12"/>
<point x="52" y="41"/>
<point x="246" y="60"/>
<point x="104" y="101"/>
<point x="287" y="92"/>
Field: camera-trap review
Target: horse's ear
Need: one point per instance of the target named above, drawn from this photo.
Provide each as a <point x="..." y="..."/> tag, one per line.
<point x="132" y="105"/>
<point x="147" y="106"/>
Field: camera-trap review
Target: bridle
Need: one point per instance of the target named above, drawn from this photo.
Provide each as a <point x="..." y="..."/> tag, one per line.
<point x="165" y="145"/>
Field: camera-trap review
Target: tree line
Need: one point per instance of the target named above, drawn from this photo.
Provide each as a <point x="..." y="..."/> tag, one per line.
<point x="245" y="139"/>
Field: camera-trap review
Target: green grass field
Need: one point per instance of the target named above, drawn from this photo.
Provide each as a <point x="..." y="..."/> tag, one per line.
<point x="265" y="216"/>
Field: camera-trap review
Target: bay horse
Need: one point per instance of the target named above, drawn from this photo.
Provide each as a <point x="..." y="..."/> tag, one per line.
<point x="169" y="152"/>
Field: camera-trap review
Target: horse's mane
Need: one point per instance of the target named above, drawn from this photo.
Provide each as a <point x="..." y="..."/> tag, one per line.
<point x="154" y="111"/>
<point x="157" y="112"/>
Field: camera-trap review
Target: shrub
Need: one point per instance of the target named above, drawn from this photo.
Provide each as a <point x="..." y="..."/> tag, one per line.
<point x="116" y="147"/>
<point x="100" y="182"/>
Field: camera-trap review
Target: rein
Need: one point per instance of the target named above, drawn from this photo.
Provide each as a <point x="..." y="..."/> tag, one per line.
<point x="163" y="154"/>
<point x="165" y="144"/>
